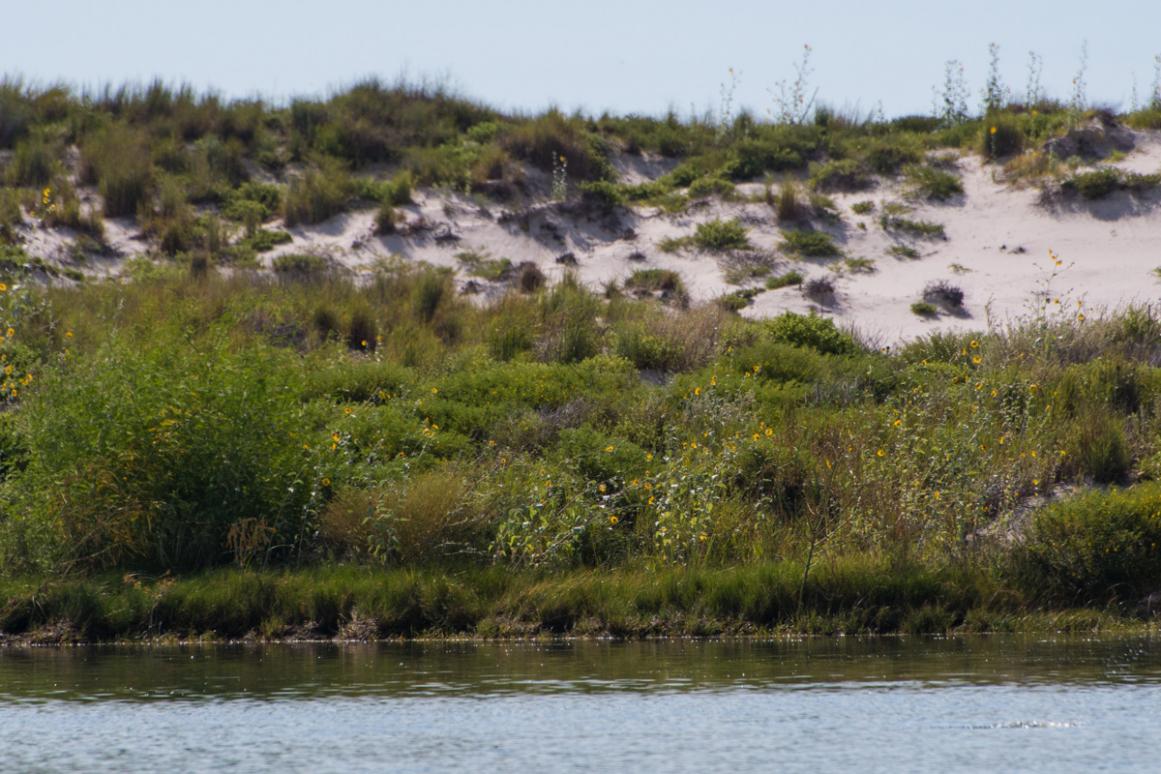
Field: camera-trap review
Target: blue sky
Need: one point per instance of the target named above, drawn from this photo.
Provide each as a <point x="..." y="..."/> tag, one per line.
<point x="623" y="56"/>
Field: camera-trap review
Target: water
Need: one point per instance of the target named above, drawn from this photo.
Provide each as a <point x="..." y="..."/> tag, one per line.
<point x="1006" y="704"/>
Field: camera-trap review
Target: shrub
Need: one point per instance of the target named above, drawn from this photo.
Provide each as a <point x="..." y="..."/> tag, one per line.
<point x="784" y="280"/>
<point x="839" y="175"/>
<point x="888" y="155"/>
<point x="932" y="184"/>
<point x="812" y="331"/>
<point x="154" y="458"/>
<point x="544" y="140"/>
<point x="810" y="244"/>
<point x="917" y="228"/>
<point x="253" y="202"/>
<point x="903" y="251"/>
<point x="819" y="289"/>
<point x="386" y="217"/>
<point x="719" y="235"/>
<point x="1095" y="548"/>
<point x="118" y="160"/>
<point x="301" y="265"/>
<point x="1101" y="450"/>
<point x="1094" y="185"/>
<point x="362" y="330"/>
<point x="647" y="281"/>
<point x="601" y="196"/>
<point x="924" y="309"/>
<point x="754" y="158"/>
<point x="943" y="293"/>
<point x="789" y="203"/>
<point x="316" y="196"/>
<point x="1002" y="137"/>
<point x="705" y="187"/>
<point x="33" y="163"/>
<point x="863" y="208"/>
<point x="529" y="277"/>
<point x="265" y="240"/>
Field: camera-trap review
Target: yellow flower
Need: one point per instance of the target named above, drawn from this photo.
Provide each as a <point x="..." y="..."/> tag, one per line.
<point x="347" y="411"/>
<point x="992" y="131"/>
<point x="976" y="360"/>
<point x="434" y="390"/>
<point x="11" y="332"/>
<point x="881" y="453"/>
<point x="326" y="482"/>
<point x="693" y="444"/>
<point x="936" y="495"/>
<point x="1035" y="482"/>
<point x="613" y="520"/>
<point x="601" y="488"/>
<point x="757" y="367"/>
<point x="975" y="344"/>
<point x="756" y="436"/>
<point x="1080" y="317"/>
<point x="697" y="391"/>
<point x="335" y="438"/>
<point x="648" y="456"/>
<point x="3" y="288"/>
<point x="897" y="423"/>
<point x="769" y="432"/>
<point x="68" y="334"/>
<point x="363" y="343"/>
<point x="610" y="449"/>
<point x="714" y="380"/>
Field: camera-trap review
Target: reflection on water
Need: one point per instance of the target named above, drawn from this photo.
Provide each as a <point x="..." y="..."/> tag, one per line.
<point x="889" y="704"/>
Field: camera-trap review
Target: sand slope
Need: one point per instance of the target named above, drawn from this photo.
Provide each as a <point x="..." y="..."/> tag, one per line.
<point x="997" y="247"/>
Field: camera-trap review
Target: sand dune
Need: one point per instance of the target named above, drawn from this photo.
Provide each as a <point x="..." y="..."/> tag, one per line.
<point x="998" y="238"/>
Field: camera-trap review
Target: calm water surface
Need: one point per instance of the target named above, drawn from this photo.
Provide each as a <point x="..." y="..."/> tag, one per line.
<point x="996" y="704"/>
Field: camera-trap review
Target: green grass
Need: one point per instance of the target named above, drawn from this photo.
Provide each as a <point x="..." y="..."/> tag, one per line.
<point x="903" y="251"/>
<point x="924" y="309"/>
<point x="849" y="595"/>
<point x="863" y="207"/>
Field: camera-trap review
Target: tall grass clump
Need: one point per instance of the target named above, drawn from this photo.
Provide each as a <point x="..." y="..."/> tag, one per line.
<point x="316" y="196"/>
<point x="117" y="160"/>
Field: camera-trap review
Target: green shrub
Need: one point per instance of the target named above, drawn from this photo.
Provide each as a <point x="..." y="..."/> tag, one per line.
<point x="253" y="201"/>
<point x="784" y="280"/>
<point x="719" y="235"/>
<point x="916" y="228"/>
<point x="33" y="163"/>
<point x="151" y="457"/>
<point x="924" y="309"/>
<point x="863" y="208"/>
<point x="316" y="196"/>
<point x="1002" y="137"/>
<point x="265" y="240"/>
<point x="1102" y="451"/>
<point x="705" y="187"/>
<point x="810" y="244"/>
<point x="754" y="158"/>
<point x="601" y="196"/>
<point x="544" y="140"/>
<point x="117" y="159"/>
<point x="301" y="265"/>
<point x="813" y="331"/>
<point x="933" y="184"/>
<point x="887" y="156"/>
<point x="1095" y="548"/>
<point x="1094" y="185"/>
<point x="839" y="175"/>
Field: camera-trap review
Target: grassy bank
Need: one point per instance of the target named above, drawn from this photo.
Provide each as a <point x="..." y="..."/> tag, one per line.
<point x="557" y="461"/>
<point x="851" y="596"/>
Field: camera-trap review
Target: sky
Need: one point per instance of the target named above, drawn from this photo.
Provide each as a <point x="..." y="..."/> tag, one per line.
<point x="621" y="56"/>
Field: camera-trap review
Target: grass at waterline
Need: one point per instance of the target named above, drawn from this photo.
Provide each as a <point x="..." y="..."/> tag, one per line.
<point x="847" y="595"/>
